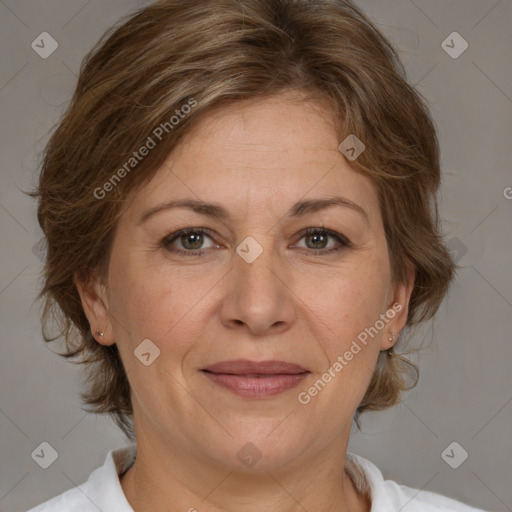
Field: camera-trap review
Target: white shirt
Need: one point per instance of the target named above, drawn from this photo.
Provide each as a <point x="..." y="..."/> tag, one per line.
<point x="103" y="490"/>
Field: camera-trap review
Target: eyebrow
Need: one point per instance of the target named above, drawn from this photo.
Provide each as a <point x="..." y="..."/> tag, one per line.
<point x="216" y="211"/>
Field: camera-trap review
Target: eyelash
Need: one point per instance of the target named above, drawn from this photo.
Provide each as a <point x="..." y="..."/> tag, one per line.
<point x="343" y="241"/>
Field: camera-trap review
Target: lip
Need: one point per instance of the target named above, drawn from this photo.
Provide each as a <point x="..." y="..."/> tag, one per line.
<point x="256" y="379"/>
<point x="248" y="367"/>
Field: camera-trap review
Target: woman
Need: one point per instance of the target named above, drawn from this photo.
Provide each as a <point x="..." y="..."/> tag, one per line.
<point x="240" y="209"/>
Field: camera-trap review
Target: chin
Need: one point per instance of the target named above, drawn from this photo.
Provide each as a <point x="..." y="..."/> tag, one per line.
<point x="259" y="445"/>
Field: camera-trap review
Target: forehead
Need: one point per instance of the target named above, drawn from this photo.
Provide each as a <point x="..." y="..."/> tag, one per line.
<point x="262" y="153"/>
<point x="267" y="127"/>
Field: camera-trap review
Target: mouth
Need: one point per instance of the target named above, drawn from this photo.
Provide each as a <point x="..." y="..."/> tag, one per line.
<point x="252" y="379"/>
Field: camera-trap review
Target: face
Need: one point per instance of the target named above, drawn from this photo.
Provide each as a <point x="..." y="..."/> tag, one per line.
<point x="268" y="273"/>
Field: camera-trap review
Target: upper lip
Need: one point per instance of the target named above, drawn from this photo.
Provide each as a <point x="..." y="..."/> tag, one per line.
<point x="247" y="367"/>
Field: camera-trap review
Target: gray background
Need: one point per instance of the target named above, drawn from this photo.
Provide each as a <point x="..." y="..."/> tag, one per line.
<point x="465" y="392"/>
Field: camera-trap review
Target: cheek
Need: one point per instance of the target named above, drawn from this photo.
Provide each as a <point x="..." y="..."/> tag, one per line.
<point x="351" y="346"/>
<point x="137" y="302"/>
<point x="157" y="303"/>
<point x="351" y="306"/>
<point x="354" y="299"/>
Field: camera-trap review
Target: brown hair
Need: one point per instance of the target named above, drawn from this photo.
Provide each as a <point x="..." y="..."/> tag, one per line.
<point x="173" y="53"/>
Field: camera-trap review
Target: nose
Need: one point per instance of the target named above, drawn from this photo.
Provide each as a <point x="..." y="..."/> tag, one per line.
<point x="259" y="298"/>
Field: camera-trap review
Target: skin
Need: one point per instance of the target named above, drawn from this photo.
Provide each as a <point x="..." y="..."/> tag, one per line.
<point x="256" y="158"/>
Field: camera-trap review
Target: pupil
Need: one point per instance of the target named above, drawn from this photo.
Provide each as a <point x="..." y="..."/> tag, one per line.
<point x="191" y="237"/>
<point x="316" y="237"/>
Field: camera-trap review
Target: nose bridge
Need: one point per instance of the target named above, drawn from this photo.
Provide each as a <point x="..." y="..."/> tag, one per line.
<point x="258" y="295"/>
<point x="257" y="264"/>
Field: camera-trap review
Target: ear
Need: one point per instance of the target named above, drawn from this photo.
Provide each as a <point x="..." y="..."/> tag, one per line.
<point x="400" y="305"/>
<point x="93" y="295"/>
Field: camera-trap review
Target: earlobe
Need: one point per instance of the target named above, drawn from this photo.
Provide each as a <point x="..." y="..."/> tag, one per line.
<point x="100" y="334"/>
<point x="95" y="305"/>
<point x="400" y="307"/>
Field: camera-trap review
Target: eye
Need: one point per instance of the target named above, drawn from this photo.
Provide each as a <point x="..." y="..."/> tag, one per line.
<point x="317" y="239"/>
<point x="191" y="240"/>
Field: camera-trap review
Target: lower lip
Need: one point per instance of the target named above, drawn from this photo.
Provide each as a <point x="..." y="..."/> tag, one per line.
<point x="265" y="386"/>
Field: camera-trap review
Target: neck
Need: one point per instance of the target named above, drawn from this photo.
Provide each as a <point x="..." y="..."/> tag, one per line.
<point x="163" y="479"/>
